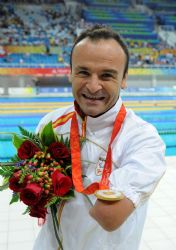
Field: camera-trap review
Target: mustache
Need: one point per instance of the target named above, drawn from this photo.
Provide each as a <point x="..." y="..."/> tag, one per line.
<point x="93" y="95"/>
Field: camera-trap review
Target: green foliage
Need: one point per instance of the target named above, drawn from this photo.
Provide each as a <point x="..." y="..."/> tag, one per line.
<point x="68" y="168"/>
<point x="47" y="134"/>
<point x="24" y="172"/>
<point x="65" y="141"/>
<point x="15" y="198"/>
<point x="6" y="171"/>
<point x="17" y="141"/>
<point x="26" y="132"/>
<point x="31" y="136"/>
<point x="54" y="200"/>
<point x="4" y="186"/>
<point x="69" y="195"/>
<point x="15" y="158"/>
<point x="26" y="211"/>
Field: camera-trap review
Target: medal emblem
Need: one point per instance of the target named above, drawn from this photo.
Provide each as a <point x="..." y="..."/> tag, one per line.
<point x="109" y="195"/>
<point x="100" y="166"/>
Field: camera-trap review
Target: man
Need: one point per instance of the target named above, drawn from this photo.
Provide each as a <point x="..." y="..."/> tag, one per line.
<point x="120" y="151"/>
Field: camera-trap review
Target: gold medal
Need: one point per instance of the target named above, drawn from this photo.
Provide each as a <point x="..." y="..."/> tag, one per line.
<point x="109" y="195"/>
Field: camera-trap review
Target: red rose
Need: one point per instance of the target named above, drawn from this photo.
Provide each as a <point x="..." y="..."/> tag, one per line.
<point x="37" y="211"/>
<point x="59" y="151"/>
<point x="31" y="194"/>
<point x="14" y="183"/>
<point x="27" y="150"/>
<point x="61" y="183"/>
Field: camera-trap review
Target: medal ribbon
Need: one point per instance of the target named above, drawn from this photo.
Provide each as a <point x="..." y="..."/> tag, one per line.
<point x="76" y="156"/>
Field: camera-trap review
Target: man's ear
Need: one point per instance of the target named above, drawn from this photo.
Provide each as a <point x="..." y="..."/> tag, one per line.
<point x="124" y="82"/>
<point x="70" y="78"/>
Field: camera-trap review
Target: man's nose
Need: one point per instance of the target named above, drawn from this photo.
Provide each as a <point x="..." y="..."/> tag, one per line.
<point x="93" y="84"/>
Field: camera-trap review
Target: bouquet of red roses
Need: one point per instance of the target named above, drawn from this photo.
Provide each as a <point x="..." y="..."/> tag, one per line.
<point x="40" y="174"/>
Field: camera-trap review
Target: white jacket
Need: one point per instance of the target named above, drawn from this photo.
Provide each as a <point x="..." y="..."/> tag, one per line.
<point x="138" y="165"/>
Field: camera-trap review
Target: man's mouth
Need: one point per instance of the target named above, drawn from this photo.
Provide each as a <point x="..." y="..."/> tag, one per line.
<point x="91" y="97"/>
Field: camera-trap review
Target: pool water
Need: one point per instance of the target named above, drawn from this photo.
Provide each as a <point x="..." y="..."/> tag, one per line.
<point x="27" y="112"/>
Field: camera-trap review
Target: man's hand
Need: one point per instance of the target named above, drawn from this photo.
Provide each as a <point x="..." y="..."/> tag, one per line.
<point x="111" y="214"/>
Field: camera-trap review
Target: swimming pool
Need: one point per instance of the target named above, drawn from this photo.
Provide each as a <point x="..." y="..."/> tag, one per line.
<point x="27" y="112"/>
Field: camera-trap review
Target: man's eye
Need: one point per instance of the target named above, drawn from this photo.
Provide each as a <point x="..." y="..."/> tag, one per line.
<point x="107" y="76"/>
<point x="83" y="73"/>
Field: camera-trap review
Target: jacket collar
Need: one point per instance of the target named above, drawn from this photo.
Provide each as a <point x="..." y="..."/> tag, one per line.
<point x="105" y="120"/>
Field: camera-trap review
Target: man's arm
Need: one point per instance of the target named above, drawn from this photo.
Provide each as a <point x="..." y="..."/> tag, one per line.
<point x="111" y="214"/>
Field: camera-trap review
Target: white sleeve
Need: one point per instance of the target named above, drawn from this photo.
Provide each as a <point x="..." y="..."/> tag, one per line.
<point x="40" y="125"/>
<point x="46" y="119"/>
<point x="142" y="165"/>
<point x="53" y="116"/>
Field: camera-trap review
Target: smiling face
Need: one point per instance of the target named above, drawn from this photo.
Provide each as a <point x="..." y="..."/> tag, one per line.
<point x="97" y="74"/>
